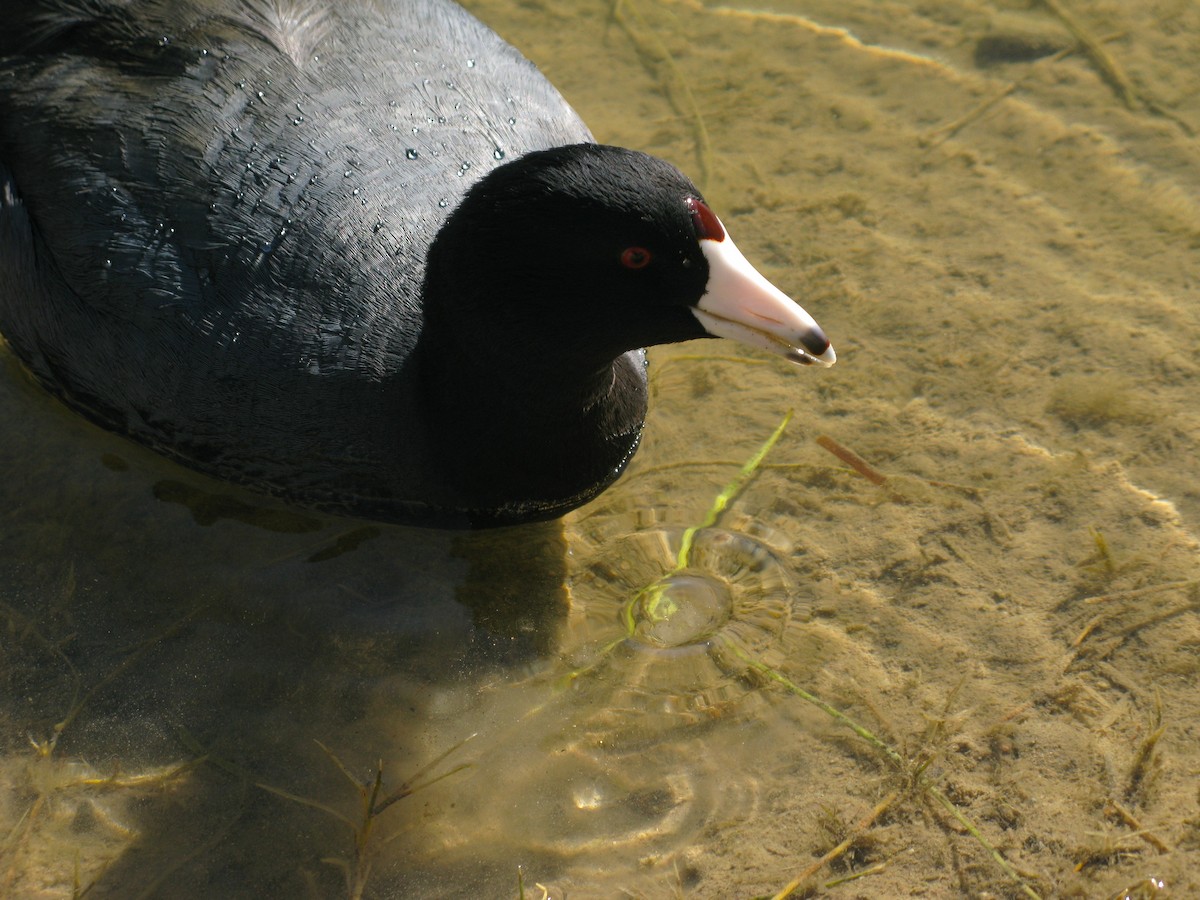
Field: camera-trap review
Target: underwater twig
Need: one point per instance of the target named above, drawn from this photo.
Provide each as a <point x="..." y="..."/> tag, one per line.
<point x="852" y="459"/>
<point x="1115" y="810"/>
<point x="18" y="837"/>
<point x="1121" y="635"/>
<point x="971" y="492"/>
<point x="1141" y="592"/>
<point x="305" y="801"/>
<point x="861" y="873"/>
<point x="1088" y="629"/>
<point x="1109" y="70"/>
<point x="873" y="475"/>
<point x="940" y="135"/>
<point x="1139" y="769"/>
<point x="866" y="822"/>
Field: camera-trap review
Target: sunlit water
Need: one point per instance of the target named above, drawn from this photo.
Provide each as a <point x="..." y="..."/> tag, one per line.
<point x="198" y="689"/>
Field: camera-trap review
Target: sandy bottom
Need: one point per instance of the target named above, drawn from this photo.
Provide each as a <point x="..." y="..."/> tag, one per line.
<point x="978" y="678"/>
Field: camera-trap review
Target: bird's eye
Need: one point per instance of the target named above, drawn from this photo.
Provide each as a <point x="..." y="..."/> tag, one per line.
<point x="635" y="257"/>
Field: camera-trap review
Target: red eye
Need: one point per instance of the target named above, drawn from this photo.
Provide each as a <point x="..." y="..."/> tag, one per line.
<point x="635" y="257"/>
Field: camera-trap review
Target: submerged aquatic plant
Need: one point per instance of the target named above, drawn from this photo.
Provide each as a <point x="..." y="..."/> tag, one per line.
<point x="372" y="802"/>
<point x="55" y="786"/>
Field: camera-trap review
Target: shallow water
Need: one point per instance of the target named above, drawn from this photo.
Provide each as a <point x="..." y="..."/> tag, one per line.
<point x="1004" y="254"/>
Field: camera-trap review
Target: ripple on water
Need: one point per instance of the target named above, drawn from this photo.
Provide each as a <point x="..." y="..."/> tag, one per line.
<point x="666" y="639"/>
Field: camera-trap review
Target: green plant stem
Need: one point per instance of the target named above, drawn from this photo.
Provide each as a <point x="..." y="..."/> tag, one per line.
<point x="731" y="491"/>
<point x="983" y="842"/>
<point x="652" y="595"/>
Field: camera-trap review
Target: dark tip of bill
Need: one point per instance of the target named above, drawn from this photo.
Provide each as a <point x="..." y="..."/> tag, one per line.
<point x="815" y="342"/>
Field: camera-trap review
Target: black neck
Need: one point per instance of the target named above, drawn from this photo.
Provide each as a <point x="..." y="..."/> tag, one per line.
<point x="514" y="427"/>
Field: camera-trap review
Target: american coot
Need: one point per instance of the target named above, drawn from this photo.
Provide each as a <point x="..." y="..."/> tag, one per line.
<point x="360" y="255"/>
